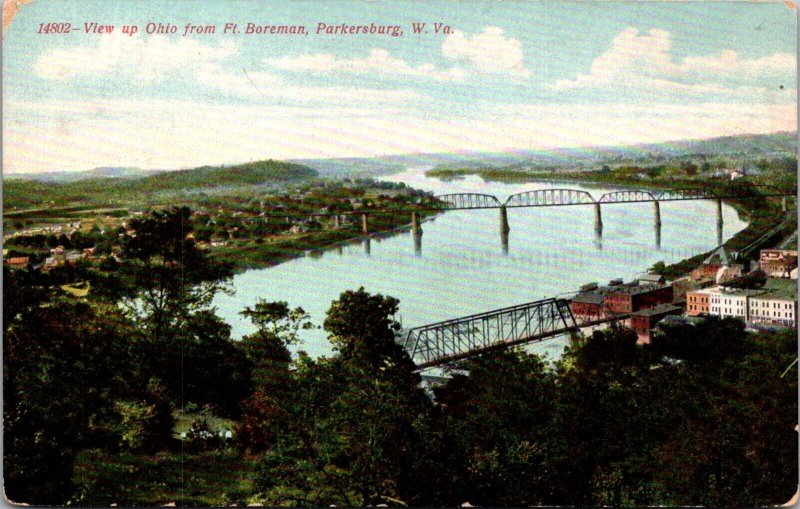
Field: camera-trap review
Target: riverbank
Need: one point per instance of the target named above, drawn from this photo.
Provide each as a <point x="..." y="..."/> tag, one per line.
<point x="260" y="254"/>
<point x="760" y="214"/>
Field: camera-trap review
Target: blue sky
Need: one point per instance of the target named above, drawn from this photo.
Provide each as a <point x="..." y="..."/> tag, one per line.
<point x="511" y="75"/>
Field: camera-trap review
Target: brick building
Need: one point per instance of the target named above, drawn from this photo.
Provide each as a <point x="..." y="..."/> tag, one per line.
<point x="697" y="302"/>
<point x="587" y="305"/>
<point x="629" y="299"/>
<point x="643" y="320"/>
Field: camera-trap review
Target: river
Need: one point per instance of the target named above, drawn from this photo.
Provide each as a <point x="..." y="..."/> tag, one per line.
<point x="462" y="267"/>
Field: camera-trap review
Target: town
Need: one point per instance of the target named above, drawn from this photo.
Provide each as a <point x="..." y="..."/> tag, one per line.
<point x="249" y="231"/>
<point x="762" y="294"/>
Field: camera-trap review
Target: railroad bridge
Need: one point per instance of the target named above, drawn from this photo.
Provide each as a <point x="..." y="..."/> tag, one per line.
<point x="460" y="338"/>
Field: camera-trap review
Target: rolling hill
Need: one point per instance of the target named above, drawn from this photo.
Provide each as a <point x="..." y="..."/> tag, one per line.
<point x="23" y="193"/>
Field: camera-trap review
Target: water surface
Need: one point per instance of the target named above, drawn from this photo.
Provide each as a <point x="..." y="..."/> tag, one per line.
<point x="462" y="267"/>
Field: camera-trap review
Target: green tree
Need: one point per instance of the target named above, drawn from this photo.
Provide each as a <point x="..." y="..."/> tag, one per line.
<point x="358" y="417"/>
<point x="498" y="421"/>
<point x="64" y="366"/>
<point x="173" y="285"/>
<point x="265" y="411"/>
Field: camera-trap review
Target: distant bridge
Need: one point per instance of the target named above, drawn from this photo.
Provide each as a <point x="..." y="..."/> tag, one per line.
<point x="565" y="197"/>
<point x="552" y="198"/>
<point x="453" y="340"/>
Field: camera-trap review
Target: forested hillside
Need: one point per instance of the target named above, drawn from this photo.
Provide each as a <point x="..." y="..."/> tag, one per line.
<point x="19" y="193"/>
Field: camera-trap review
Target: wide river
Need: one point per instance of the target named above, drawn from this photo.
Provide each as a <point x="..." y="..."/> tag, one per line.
<point x="462" y="267"/>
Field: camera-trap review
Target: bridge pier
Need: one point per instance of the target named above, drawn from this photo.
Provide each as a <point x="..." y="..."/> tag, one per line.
<point x="719" y="211"/>
<point x="719" y="233"/>
<point x="337" y="223"/>
<point x="504" y="241"/>
<point x="598" y="238"/>
<point x="504" y="228"/>
<point x="598" y="218"/>
<point x="657" y="213"/>
<point x="416" y="229"/>
<point x="658" y="236"/>
<point x="417" y="244"/>
<point x="367" y="246"/>
<point x="365" y="224"/>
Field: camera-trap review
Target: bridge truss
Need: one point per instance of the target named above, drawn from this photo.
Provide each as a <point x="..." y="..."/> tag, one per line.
<point x="549" y="197"/>
<point x="627" y="196"/>
<point x="460" y="338"/>
<point x="469" y="201"/>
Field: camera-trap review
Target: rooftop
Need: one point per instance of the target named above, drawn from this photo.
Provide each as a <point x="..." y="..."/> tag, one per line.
<point x="781" y="288"/>
<point x="636" y="290"/>
<point x="661" y="309"/>
<point x="736" y="292"/>
<point x="589" y="298"/>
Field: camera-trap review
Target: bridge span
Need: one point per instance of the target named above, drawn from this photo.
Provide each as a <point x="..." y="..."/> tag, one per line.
<point x="557" y="198"/>
<point x="460" y="338"/>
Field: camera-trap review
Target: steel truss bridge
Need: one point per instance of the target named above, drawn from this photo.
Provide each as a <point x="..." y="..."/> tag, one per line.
<point x="453" y="340"/>
<point x="565" y="197"/>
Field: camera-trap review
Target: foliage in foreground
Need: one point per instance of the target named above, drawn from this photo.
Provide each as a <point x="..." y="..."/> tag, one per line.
<point x="699" y="416"/>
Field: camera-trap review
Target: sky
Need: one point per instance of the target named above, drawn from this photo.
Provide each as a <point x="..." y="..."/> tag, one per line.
<point x="504" y="76"/>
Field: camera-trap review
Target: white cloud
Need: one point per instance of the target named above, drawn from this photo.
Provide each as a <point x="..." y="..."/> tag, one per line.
<point x="645" y="61"/>
<point x="377" y="62"/>
<point x="729" y="64"/>
<point x="148" y="58"/>
<point x="254" y="84"/>
<point x="153" y="57"/>
<point x="489" y="51"/>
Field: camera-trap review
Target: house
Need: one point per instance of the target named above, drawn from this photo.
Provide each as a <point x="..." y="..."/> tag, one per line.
<point x="728" y="273"/>
<point x="711" y="265"/>
<point x="778" y="262"/>
<point x="644" y="320"/>
<point x="74" y="258"/>
<point x="19" y="262"/>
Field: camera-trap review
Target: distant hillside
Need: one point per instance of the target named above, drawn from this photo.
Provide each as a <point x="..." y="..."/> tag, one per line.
<point x="259" y="172"/>
<point x="21" y="193"/>
<point x="783" y="144"/>
<point x="353" y="167"/>
<point x="74" y="176"/>
<point x="749" y="146"/>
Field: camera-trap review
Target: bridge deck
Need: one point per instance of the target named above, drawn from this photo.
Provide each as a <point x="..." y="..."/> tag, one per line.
<point x="461" y="338"/>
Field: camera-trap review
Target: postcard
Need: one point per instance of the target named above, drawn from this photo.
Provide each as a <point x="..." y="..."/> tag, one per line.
<point x="399" y="253"/>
